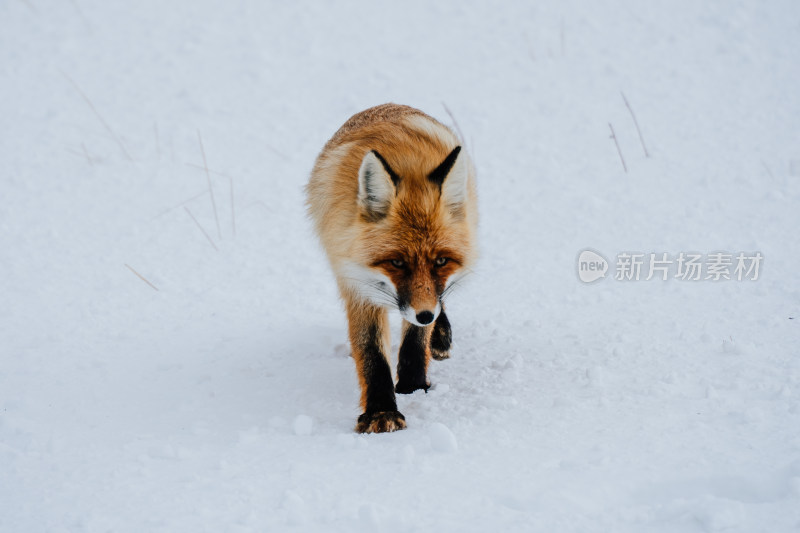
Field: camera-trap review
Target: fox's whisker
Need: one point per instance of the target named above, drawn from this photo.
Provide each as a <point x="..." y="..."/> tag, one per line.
<point x="458" y="282"/>
<point x="378" y="292"/>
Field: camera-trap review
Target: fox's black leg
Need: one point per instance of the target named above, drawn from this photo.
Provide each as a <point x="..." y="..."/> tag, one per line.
<point x="441" y="338"/>
<point x="412" y="363"/>
<point x="368" y="339"/>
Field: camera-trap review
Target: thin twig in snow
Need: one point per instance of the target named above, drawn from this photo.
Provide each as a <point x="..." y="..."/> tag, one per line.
<point x="164" y="212"/>
<point x="201" y="228"/>
<point x="141" y="277"/>
<point x="212" y="171"/>
<point x="30" y="5"/>
<point x="86" y="153"/>
<point x="767" y="168"/>
<point x="158" y="144"/>
<point x="277" y="152"/>
<point x="80" y="14"/>
<point x="472" y="150"/>
<point x="635" y="123"/>
<point x="210" y="188"/>
<point x="258" y="203"/>
<point x="233" y="210"/>
<point x="99" y="116"/>
<point x="455" y="123"/>
<point x="613" y="136"/>
<point x="82" y="154"/>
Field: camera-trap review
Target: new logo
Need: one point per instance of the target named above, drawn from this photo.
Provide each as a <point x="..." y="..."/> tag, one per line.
<point x="591" y="266"/>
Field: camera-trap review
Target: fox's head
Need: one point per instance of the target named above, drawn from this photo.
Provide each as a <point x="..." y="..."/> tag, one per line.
<point x="415" y="237"/>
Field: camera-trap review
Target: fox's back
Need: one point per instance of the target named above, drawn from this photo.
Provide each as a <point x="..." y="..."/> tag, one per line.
<point x="387" y="113"/>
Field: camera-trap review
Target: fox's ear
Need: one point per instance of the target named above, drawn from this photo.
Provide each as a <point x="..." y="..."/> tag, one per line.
<point x="377" y="184"/>
<point x="452" y="176"/>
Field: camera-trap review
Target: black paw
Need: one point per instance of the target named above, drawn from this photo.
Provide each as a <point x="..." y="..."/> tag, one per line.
<point x="440" y="355"/>
<point x="407" y="387"/>
<point x="381" y="422"/>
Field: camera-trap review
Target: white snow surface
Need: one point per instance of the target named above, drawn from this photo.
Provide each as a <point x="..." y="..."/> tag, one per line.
<point x="225" y="400"/>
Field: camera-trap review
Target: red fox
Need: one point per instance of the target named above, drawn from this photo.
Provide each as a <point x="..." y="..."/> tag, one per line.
<point x="392" y="197"/>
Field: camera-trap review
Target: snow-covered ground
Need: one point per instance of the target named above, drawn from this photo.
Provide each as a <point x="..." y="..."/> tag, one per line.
<point x="225" y="400"/>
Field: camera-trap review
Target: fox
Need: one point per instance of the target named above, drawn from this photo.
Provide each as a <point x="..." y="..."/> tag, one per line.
<point x="393" y="201"/>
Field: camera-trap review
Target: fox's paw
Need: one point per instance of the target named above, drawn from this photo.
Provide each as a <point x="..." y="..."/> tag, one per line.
<point x="440" y="355"/>
<point x="441" y="339"/>
<point x="381" y="422"/>
<point x="406" y="387"/>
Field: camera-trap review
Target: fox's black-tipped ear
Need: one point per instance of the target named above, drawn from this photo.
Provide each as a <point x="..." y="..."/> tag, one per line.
<point x="377" y="184"/>
<point x="452" y="176"/>
<point x="440" y="173"/>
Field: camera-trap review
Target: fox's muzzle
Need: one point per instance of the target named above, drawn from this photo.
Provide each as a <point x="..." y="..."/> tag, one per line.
<point x="422" y="317"/>
<point x="425" y="317"/>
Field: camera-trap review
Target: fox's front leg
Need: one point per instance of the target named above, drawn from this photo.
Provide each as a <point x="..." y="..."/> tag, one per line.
<point x="412" y="362"/>
<point x="369" y="339"/>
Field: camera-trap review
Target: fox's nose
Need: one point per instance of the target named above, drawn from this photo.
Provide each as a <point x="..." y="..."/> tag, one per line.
<point x="425" y="317"/>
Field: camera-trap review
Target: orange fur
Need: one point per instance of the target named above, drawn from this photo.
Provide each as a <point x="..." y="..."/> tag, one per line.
<point x="417" y="228"/>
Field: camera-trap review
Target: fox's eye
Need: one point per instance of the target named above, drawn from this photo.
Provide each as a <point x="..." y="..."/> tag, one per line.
<point x="399" y="263"/>
<point x="440" y="261"/>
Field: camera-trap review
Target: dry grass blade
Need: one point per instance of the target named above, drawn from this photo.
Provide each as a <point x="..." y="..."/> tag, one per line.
<point x="211" y="171"/>
<point x="277" y="152"/>
<point x="210" y="188"/>
<point x="455" y="123"/>
<point x="80" y="14"/>
<point x="210" y="240"/>
<point x="619" y="151"/>
<point x="86" y="153"/>
<point x="141" y="277"/>
<point x="233" y="210"/>
<point x="99" y="117"/>
<point x="30" y="6"/>
<point x="170" y="209"/>
<point x="158" y="143"/>
<point x="635" y="123"/>
<point x="766" y="167"/>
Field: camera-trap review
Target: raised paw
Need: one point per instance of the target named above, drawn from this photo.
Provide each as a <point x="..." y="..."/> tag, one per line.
<point x="441" y="338"/>
<point x="440" y="355"/>
<point x="381" y="422"/>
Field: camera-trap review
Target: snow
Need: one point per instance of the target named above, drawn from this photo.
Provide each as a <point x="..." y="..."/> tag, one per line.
<point x="303" y="425"/>
<point x="442" y="439"/>
<point x="223" y="398"/>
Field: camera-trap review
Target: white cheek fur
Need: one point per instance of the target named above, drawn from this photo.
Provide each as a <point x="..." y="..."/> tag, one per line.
<point x="378" y="289"/>
<point x="369" y="284"/>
